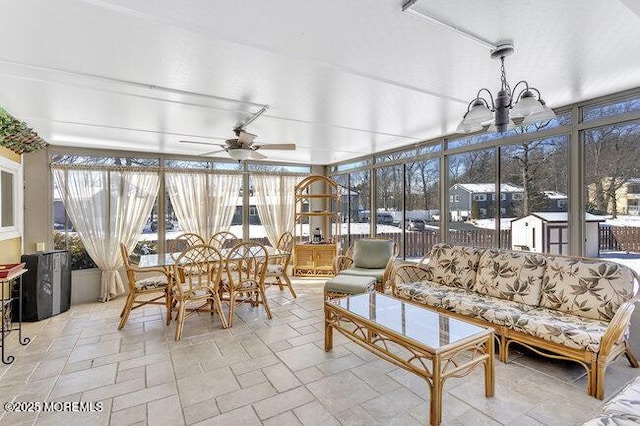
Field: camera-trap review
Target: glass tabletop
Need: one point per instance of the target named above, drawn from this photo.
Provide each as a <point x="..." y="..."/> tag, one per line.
<point x="168" y="259"/>
<point x="420" y="324"/>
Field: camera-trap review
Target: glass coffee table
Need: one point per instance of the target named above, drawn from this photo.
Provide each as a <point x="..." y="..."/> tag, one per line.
<point x="432" y="345"/>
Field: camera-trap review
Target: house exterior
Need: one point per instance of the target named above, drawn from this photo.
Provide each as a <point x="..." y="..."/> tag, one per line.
<point x="627" y="196"/>
<point x="462" y="197"/>
<point x="557" y="201"/>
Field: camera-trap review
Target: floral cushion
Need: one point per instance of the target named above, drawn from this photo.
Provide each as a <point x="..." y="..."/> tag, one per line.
<point x="429" y="293"/>
<point x="589" y="288"/>
<point x="627" y="401"/>
<point x="488" y="308"/>
<point x="454" y="266"/>
<point x="275" y="269"/>
<point x="614" y="420"/>
<point x="193" y="292"/>
<point x="511" y="276"/>
<point x="567" y="329"/>
<point x="155" y="282"/>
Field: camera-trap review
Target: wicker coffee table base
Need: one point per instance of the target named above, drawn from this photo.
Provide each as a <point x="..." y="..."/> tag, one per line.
<point x="435" y="366"/>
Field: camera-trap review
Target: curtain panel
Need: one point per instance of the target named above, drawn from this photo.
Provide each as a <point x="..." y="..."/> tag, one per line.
<point x="204" y="203"/>
<point x="107" y="207"/>
<point x="275" y="203"/>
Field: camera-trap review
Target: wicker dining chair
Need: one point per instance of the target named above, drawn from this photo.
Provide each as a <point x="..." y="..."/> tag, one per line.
<point x="246" y="267"/>
<point x="184" y="241"/>
<point x="197" y="273"/>
<point x="223" y="240"/>
<point x="141" y="288"/>
<point x="277" y="267"/>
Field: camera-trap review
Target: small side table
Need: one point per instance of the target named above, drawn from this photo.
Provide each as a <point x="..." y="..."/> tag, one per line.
<point x="10" y="297"/>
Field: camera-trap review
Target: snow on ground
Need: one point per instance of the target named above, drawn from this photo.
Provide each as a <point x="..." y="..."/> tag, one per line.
<point x="505" y="223"/>
<point x="624" y="220"/>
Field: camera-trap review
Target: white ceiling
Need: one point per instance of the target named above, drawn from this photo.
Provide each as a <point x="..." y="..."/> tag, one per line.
<point x="341" y="78"/>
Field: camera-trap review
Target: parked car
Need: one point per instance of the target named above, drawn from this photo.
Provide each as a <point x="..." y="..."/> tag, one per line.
<point x="414" y="225"/>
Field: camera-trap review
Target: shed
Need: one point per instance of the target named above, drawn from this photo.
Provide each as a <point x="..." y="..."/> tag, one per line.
<point x="548" y="232"/>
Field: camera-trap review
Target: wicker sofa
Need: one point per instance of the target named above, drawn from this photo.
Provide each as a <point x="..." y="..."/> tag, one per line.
<point x="577" y="309"/>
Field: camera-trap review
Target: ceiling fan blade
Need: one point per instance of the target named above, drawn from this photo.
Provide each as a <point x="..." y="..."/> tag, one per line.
<point x="256" y="155"/>
<point x="281" y="146"/>
<point x="200" y="143"/>
<point x="212" y="152"/>
<point x="246" y="138"/>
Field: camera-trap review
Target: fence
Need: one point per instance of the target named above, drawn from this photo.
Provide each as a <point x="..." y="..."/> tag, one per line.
<point x="620" y="238"/>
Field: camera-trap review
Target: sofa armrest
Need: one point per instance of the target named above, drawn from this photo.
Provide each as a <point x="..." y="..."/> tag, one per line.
<point x="340" y="263"/>
<point x="617" y="327"/>
<point x="408" y="273"/>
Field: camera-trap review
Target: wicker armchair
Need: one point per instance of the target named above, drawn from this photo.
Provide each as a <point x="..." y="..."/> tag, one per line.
<point x="369" y="257"/>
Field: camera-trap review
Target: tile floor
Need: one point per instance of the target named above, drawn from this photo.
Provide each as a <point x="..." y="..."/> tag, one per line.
<point x="263" y="372"/>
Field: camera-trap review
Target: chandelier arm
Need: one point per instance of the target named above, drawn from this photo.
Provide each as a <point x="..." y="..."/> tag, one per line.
<point x="493" y="105"/>
<point x="513" y="93"/>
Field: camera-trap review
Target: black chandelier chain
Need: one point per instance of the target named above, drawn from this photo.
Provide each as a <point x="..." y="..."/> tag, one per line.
<point x="503" y="77"/>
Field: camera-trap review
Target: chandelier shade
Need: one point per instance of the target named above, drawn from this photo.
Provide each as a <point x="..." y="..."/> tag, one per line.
<point x="497" y="113"/>
<point x="239" y="154"/>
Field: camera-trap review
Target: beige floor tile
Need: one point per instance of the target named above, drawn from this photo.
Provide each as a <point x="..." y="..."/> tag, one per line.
<point x="68" y="418"/>
<point x="314" y="414"/>
<point x="252" y="378"/>
<point x="281" y="377"/>
<point x="143" y="360"/>
<point x="341" y="391"/>
<point x="143" y="396"/>
<point x="111" y="391"/>
<point x="94" y="350"/>
<point x="392" y="404"/>
<point x="308" y="375"/>
<point x="207" y="385"/>
<point x="254" y="364"/>
<point x="159" y="373"/>
<point x="337" y="365"/>
<point x="84" y="380"/>
<point x="244" y="416"/>
<point x="301" y="357"/>
<point x="283" y="419"/>
<point x="236" y="399"/>
<point x="165" y="412"/>
<point x="282" y="402"/>
<point x="129" y="416"/>
<point x="200" y="411"/>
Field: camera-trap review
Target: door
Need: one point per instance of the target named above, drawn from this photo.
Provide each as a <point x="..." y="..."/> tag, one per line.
<point x="557" y="240"/>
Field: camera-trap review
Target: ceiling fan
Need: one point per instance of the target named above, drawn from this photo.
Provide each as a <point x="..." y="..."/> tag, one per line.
<point x="242" y="146"/>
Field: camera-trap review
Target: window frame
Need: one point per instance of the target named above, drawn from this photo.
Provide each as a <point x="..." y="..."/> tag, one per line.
<point x="15" y="230"/>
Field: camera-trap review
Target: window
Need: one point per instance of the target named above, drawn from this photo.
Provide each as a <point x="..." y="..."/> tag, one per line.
<point x="451" y="198"/>
<point x="493" y="197"/>
<point x="479" y="197"/>
<point x="456" y="198"/>
<point x="516" y="196"/>
<point x="10" y="199"/>
<point x="253" y="211"/>
<point x="503" y="196"/>
<point x="562" y="204"/>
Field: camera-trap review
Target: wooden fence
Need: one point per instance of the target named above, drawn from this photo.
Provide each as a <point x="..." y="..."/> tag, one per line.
<point x="620" y="238"/>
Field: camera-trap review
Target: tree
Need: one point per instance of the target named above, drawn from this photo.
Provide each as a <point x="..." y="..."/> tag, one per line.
<point x="475" y="210"/>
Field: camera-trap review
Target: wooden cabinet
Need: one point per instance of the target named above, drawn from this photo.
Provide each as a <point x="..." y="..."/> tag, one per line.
<point x="318" y="205"/>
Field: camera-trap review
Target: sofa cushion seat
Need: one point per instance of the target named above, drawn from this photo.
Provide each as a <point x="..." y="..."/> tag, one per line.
<point x="613" y="419"/>
<point x="489" y="308"/>
<point x="627" y="401"/>
<point x="566" y="329"/>
<point x="364" y="272"/>
<point x="427" y="292"/>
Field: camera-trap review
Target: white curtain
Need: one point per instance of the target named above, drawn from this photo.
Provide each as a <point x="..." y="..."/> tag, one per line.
<point x="275" y="202"/>
<point x="204" y="202"/>
<point x="108" y="207"/>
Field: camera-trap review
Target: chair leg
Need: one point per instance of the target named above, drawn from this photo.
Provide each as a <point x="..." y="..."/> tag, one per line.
<point x="279" y="283"/>
<point x="128" y="305"/>
<point x="288" y="284"/>
<point x="232" y="304"/>
<point x="215" y="301"/>
<point x="632" y="359"/>
<point x="180" y="320"/>
<point x="169" y="305"/>
<point x="265" y="303"/>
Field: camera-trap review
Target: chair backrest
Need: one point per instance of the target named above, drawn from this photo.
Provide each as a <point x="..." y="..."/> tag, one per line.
<point x="246" y="265"/>
<point x="184" y="241"/>
<point x="198" y="267"/>
<point x="223" y="240"/>
<point x="285" y="243"/>
<point x="374" y="253"/>
<point x="131" y="275"/>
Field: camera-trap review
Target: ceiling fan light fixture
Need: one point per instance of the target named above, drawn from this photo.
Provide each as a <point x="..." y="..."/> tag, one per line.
<point x="239" y="154"/>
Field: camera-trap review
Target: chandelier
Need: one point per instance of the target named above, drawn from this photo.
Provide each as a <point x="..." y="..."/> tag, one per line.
<point x="526" y="106"/>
